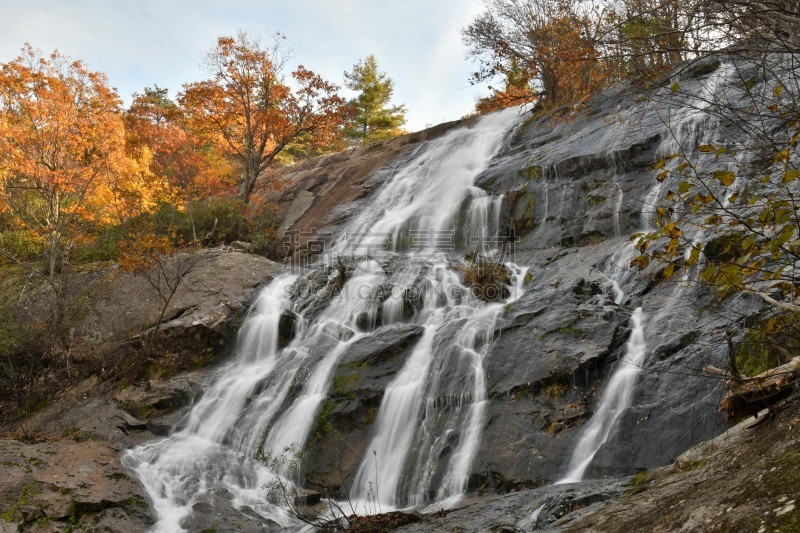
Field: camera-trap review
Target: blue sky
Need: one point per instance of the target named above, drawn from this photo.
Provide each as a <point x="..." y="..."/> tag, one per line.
<point x="144" y="42"/>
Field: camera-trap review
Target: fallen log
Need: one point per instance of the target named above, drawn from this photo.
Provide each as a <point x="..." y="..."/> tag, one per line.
<point x="752" y="394"/>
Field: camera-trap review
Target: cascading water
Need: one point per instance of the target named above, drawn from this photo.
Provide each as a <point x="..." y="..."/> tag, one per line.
<point x="438" y="399"/>
<point x="691" y="127"/>
<point x="268" y="398"/>
<point x="444" y="381"/>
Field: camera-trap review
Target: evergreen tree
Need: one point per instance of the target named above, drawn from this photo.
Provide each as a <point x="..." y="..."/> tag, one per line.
<point x="373" y="118"/>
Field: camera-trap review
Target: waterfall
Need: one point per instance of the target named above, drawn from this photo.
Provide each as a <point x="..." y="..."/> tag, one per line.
<point x="692" y="127"/>
<point x="617" y="397"/>
<point x="268" y="398"/>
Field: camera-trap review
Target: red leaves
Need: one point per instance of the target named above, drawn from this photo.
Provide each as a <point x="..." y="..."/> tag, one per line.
<point x="248" y="110"/>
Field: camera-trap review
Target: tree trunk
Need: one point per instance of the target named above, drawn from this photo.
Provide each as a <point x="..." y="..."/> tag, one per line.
<point x="751" y="395"/>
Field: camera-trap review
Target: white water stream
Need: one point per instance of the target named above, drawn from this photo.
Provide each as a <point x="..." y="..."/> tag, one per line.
<point x="688" y="128"/>
<point x="269" y="397"/>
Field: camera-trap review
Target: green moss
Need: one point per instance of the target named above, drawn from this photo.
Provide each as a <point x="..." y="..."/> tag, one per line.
<point x="525" y="202"/>
<point x="592" y="184"/>
<point x="639" y="482"/>
<point x="348" y="380"/>
<point x="566" y="330"/>
<point x="692" y="465"/>
<point x="528" y="278"/>
<point x="208" y="356"/>
<point x="370" y="416"/>
<point x="596" y="200"/>
<point x="554" y="391"/>
<point x="523" y="392"/>
<point x="765" y="344"/>
<point x="135" y="502"/>
<point x="323" y="425"/>
<point x="9" y="514"/>
<point x="553" y="428"/>
<point x="530" y="173"/>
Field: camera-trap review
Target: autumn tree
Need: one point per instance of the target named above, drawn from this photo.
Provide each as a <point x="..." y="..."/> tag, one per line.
<point x="61" y="145"/>
<point x="516" y="90"/>
<point x="373" y="116"/>
<point x="551" y="43"/>
<point x="249" y="108"/>
<point x="727" y="216"/>
<point x="186" y="167"/>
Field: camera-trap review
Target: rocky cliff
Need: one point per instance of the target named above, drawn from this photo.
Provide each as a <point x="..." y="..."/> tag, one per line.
<point x="573" y="186"/>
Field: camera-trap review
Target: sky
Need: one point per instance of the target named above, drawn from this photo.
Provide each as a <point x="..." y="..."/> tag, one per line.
<point x="139" y="43"/>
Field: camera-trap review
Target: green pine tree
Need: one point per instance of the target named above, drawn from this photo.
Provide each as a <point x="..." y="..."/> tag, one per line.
<point x="374" y="118"/>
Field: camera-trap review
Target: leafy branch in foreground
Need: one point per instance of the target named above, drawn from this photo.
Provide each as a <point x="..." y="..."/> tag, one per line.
<point x="728" y="217"/>
<point x="324" y="511"/>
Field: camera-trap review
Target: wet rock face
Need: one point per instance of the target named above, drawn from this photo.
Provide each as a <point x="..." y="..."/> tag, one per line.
<point x="344" y="426"/>
<point x="574" y="192"/>
<point x="558" y="341"/>
<point x="316" y="196"/>
<point x="525" y="510"/>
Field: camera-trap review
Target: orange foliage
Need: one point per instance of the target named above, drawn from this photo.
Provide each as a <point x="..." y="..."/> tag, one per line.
<point x="61" y="146"/>
<point x="546" y="50"/>
<point x="184" y="169"/>
<point x="249" y="110"/>
<point x="510" y="97"/>
<point x="570" y="60"/>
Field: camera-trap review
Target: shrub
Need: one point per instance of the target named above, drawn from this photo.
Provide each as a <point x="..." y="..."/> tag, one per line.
<point x="101" y="246"/>
<point x="488" y="280"/>
<point x="222" y="220"/>
<point x="22" y="245"/>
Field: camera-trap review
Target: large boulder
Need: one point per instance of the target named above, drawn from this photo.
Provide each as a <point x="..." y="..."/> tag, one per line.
<point x="65" y="485"/>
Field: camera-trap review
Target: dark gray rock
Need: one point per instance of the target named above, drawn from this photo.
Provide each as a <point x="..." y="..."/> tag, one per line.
<point x="344" y="426"/>
<point x="528" y="510"/>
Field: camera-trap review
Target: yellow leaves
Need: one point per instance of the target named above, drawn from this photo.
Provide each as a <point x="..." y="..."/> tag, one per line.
<point x="672" y="246"/>
<point x="703" y="199"/>
<point x="725" y="177"/>
<point x="694" y="255"/>
<point x="675" y="87"/>
<point x="782" y="156"/>
<point x="668" y="271"/>
<point x="671" y="229"/>
<point x="776" y="92"/>
<point x="659" y="164"/>
<point x="786" y="233"/>
<point x="790" y="175"/>
<point x="641" y="262"/>
<point x="706" y="148"/>
<point x="684" y="187"/>
<point x="747" y="244"/>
